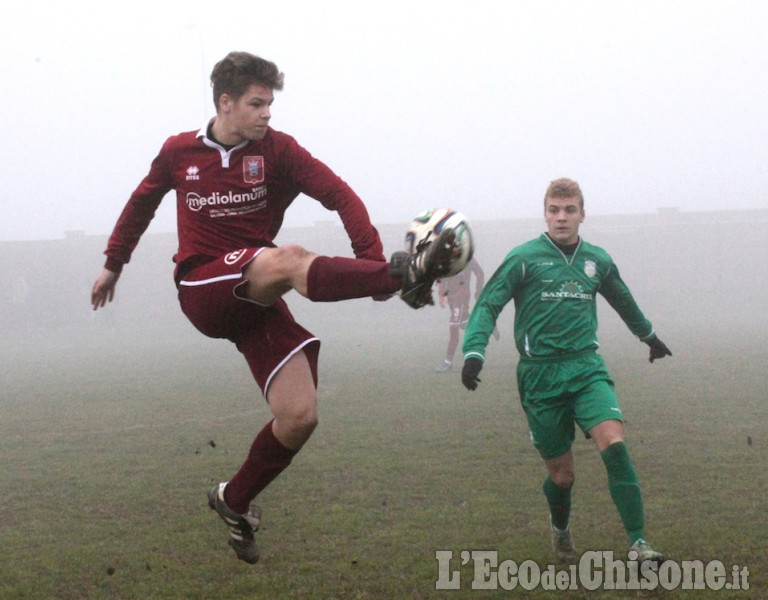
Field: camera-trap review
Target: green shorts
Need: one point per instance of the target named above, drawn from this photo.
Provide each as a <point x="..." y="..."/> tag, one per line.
<point x="558" y="394"/>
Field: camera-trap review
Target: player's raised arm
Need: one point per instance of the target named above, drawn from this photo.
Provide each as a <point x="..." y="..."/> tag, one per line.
<point x="104" y="288"/>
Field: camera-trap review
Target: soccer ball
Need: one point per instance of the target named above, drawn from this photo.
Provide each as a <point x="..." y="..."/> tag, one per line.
<point x="426" y="226"/>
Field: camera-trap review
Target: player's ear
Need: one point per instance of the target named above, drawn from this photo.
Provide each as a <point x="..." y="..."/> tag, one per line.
<point x="225" y="102"/>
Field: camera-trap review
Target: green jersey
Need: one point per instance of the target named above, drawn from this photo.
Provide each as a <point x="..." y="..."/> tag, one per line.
<point x="555" y="300"/>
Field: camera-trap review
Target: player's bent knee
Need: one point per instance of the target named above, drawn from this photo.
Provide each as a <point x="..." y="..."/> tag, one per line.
<point x="305" y="421"/>
<point x="292" y="257"/>
<point x="563" y="479"/>
<point x="561" y="471"/>
<point x="301" y="419"/>
<point x="279" y="262"/>
<point x="275" y="271"/>
<point x="300" y="428"/>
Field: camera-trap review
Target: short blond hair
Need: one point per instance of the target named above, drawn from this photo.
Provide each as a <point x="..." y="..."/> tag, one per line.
<point x="564" y="188"/>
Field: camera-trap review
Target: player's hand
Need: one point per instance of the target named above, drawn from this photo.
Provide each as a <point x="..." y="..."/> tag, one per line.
<point x="658" y="349"/>
<point x="469" y="373"/>
<point x="104" y="289"/>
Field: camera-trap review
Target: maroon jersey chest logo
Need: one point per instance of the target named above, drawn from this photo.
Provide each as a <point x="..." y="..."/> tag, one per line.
<point x="253" y="169"/>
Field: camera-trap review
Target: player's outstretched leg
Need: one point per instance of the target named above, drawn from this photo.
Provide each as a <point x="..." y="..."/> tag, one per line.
<point x="419" y="271"/>
<point x="241" y="527"/>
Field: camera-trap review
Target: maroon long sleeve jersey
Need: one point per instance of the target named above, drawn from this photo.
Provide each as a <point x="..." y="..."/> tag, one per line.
<point x="236" y="198"/>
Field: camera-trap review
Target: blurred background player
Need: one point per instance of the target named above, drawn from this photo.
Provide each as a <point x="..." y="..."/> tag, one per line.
<point x="234" y="179"/>
<point x="554" y="281"/>
<point x="457" y="290"/>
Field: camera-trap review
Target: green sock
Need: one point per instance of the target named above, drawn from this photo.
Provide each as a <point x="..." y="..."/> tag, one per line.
<point x="559" y="500"/>
<point x="625" y="489"/>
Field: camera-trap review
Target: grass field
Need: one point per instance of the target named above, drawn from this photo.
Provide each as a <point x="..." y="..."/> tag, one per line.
<point x="110" y="439"/>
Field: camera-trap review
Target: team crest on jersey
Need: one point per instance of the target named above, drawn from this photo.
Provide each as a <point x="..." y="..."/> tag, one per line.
<point x="253" y="169"/>
<point x="590" y="268"/>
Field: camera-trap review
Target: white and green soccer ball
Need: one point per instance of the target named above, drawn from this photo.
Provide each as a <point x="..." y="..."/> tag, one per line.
<point x="427" y="225"/>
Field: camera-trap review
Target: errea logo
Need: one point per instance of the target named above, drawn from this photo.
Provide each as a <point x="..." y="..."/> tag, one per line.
<point x="193" y="173"/>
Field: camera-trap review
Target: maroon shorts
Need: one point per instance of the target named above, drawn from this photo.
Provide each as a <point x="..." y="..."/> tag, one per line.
<point x="266" y="335"/>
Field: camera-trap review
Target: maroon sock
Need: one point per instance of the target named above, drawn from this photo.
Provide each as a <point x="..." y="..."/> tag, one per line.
<point x="266" y="460"/>
<point x="330" y="279"/>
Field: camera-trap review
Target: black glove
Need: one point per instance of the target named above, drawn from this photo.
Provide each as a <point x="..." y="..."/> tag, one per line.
<point x="658" y="349"/>
<point x="470" y="372"/>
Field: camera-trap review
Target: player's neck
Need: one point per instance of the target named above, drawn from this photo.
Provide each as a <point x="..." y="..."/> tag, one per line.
<point x="566" y="249"/>
<point x="216" y="134"/>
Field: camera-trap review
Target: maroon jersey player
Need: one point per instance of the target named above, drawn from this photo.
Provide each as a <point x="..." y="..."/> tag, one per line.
<point x="234" y="180"/>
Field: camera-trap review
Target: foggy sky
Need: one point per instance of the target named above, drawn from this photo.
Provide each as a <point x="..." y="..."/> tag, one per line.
<point x="476" y="106"/>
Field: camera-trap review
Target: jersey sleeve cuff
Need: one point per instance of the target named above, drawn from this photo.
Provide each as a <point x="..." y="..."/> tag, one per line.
<point x="114" y="265"/>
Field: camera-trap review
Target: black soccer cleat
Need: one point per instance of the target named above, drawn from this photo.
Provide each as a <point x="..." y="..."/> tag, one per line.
<point x="241" y="527"/>
<point x="420" y="270"/>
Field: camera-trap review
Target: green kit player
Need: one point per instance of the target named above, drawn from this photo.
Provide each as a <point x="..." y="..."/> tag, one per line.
<point x="554" y="281"/>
